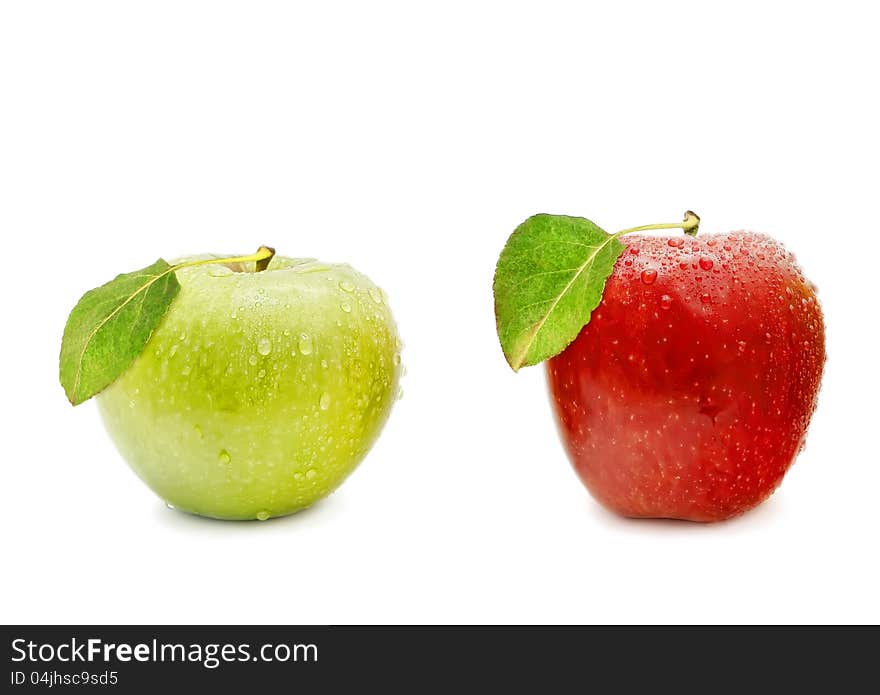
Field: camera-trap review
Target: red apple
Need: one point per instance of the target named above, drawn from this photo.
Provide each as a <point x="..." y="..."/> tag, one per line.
<point x="689" y="392"/>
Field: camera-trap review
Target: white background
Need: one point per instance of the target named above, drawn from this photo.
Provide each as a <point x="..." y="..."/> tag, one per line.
<point x="410" y="139"/>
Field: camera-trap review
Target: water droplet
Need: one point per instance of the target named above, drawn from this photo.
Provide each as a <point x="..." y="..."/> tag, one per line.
<point x="375" y="295"/>
<point x="199" y="432"/>
<point x="633" y="250"/>
<point x="186" y="370"/>
<point x="261" y="373"/>
<point x="311" y="474"/>
<point x="396" y="358"/>
<point x="705" y="298"/>
<point x="741" y="346"/>
<point x="346" y="286"/>
<point x="286" y="331"/>
<point x="297" y="476"/>
<point x="264" y="346"/>
<point x="683" y="265"/>
<point x="305" y="344"/>
<point x="173" y="350"/>
<point x="676" y="242"/>
<point x="345" y="306"/>
<point x="182" y="335"/>
<point x="169" y="505"/>
<point x="224" y="456"/>
<point x="399" y="393"/>
<point x="648" y="276"/>
<point x="252" y="360"/>
<point x="324" y="403"/>
<point x="665" y="301"/>
<point x="706" y="263"/>
<point x="262" y="515"/>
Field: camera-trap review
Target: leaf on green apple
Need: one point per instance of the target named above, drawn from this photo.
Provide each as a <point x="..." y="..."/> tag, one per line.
<point x="109" y="327"/>
<point x="549" y="278"/>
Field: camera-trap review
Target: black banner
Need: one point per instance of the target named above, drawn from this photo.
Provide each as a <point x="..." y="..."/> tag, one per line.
<point x="413" y="659"/>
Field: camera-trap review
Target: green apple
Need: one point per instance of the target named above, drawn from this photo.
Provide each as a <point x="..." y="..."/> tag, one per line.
<point x="259" y="392"/>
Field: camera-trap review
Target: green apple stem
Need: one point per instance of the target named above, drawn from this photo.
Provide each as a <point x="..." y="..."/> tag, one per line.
<point x="262" y="257"/>
<point x="690" y="224"/>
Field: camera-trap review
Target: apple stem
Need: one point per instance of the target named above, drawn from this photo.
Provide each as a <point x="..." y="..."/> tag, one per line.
<point x="262" y="257"/>
<point x="690" y="224"/>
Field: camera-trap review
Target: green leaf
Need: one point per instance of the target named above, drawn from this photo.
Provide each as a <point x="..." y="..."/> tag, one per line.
<point x="109" y="327"/>
<point x="549" y="278"/>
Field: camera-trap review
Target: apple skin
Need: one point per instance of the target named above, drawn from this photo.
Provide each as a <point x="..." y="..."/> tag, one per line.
<point x="689" y="392"/>
<point x="259" y="392"/>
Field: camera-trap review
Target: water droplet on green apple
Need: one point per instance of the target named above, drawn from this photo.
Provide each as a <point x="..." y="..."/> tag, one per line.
<point x="173" y="350"/>
<point x="224" y="456"/>
<point x="375" y="295"/>
<point x="305" y="344"/>
<point x="262" y="515"/>
<point x="169" y="505"/>
<point x="345" y="306"/>
<point x="311" y="474"/>
<point x="252" y="360"/>
<point x="264" y="346"/>
<point x="324" y="364"/>
<point x="324" y="403"/>
<point x="199" y="432"/>
<point x="186" y="370"/>
<point x="346" y="286"/>
<point x="396" y="358"/>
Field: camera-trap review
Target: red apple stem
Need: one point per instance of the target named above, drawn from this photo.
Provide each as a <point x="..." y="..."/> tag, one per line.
<point x="690" y="224"/>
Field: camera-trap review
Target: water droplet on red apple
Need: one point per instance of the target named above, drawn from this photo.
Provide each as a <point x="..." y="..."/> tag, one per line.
<point x="649" y="275"/>
<point x="706" y="263"/>
<point x="676" y="242"/>
<point x="705" y="298"/>
<point x="665" y="301"/>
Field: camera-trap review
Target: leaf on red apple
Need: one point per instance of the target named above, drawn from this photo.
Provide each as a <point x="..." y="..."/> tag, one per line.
<point x="109" y="327"/>
<point x="549" y="278"/>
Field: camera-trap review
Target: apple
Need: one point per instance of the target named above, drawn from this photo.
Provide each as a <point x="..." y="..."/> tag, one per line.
<point x="259" y="392"/>
<point x="689" y="392"/>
